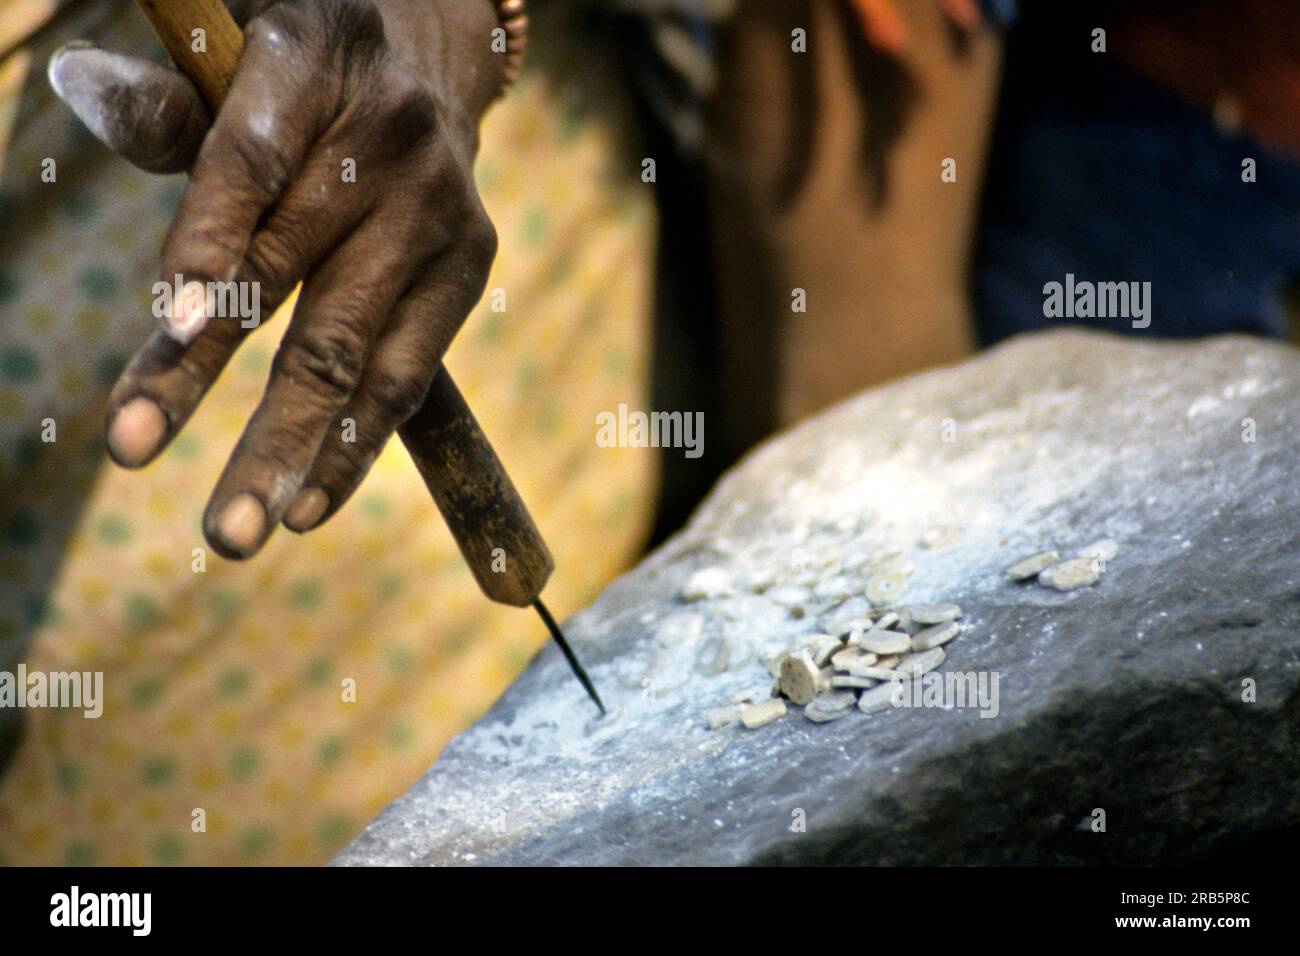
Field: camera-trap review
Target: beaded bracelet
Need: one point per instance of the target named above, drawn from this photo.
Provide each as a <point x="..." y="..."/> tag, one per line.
<point x="514" y="20"/>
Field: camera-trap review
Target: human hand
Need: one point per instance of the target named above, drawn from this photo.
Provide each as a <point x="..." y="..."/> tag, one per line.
<point x="341" y="158"/>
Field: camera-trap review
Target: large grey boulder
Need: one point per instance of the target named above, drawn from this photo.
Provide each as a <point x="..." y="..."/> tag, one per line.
<point x="1167" y="696"/>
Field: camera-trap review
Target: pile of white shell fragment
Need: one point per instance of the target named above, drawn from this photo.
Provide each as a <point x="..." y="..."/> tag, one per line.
<point x="861" y="665"/>
<point x="1081" y="571"/>
<point x="863" y="661"/>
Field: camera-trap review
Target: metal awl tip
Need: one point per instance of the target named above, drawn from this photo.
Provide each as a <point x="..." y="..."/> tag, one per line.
<point x="569" y="656"/>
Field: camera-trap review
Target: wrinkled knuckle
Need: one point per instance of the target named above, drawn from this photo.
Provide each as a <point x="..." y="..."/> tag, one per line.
<point x="349" y="29"/>
<point x="279" y="25"/>
<point x="412" y="110"/>
<point x="346" y="464"/>
<point x="269" y="261"/>
<point x="397" y="396"/>
<point x="202" y="248"/>
<point x="330" y="365"/>
<point x="429" y="199"/>
<point x="257" y="150"/>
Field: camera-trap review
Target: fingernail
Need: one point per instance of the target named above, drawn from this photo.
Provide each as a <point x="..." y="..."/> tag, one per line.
<point x="306" y="510"/>
<point x="75" y="73"/>
<point x="55" y="67"/>
<point x="242" y="523"/>
<point x="189" y="313"/>
<point x="136" y="432"/>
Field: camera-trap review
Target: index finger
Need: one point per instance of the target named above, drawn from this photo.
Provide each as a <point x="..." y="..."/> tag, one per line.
<point x="257" y="144"/>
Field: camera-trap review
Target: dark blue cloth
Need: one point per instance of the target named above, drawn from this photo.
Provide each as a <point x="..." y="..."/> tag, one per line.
<point x="1098" y="172"/>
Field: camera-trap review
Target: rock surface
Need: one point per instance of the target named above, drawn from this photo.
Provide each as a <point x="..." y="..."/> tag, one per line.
<point x="1126" y="696"/>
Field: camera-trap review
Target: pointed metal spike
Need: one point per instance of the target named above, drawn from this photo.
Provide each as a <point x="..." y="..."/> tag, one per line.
<point x="569" y="655"/>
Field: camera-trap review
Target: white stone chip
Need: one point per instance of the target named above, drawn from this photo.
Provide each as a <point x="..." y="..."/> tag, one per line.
<point x="886" y="588"/>
<point x="1070" y="574"/>
<point x="851" y="657"/>
<point x="707" y="584"/>
<point x="847" y="625"/>
<point x="880" y="697"/>
<point x="851" y="680"/>
<point x="835" y="700"/>
<point x="1029" y="567"/>
<point x="934" y="636"/>
<point x="886" y="621"/>
<point x="830" y="706"/>
<point x="883" y="642"/>
<point x="922" y="662"/>
<point x="800" y="678"/>
<point x="934" y="613"/>
<point x="821" y="646"/>
<point x="762" y="714"/>
<point x="876" y="673"/>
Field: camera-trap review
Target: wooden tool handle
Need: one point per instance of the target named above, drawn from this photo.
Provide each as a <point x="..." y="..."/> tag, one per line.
<point x="486" y="515"/>
<point x="177" y="22"/>
<point x="479" y="502"/>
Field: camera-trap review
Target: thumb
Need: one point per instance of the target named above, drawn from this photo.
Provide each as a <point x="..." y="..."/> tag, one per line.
<point x="150" y="114"/>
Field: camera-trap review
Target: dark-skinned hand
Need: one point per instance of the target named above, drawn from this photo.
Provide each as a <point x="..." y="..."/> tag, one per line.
<point x="391" y="264"/>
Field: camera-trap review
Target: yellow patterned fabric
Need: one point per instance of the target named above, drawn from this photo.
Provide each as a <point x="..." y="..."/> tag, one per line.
<point x="226" y="683"/>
